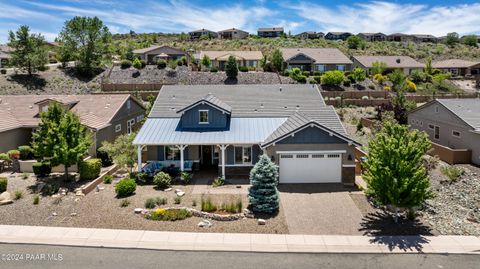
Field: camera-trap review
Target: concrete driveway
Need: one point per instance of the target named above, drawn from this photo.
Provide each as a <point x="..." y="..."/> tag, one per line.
<point x="320" y="209"/>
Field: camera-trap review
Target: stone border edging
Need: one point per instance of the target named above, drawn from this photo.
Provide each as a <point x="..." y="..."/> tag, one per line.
<point x="212" y="216"/>
<point x="91" y="186"/>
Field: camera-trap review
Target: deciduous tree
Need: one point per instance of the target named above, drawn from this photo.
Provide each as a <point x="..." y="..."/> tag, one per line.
<point x="277" y="60"/>
<point x="122" y="150"/>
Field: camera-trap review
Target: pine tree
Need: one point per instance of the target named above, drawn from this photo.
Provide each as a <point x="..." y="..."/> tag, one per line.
<point x="263" y="194"/>
<point x="60" y="137"/>
<point x="277" y="60"/>
<point x="231" y="68"/>
<point x="394" y="170"/>
<point x="29" y="49"/>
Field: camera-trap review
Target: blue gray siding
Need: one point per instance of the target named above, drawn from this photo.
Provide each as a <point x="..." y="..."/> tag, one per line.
<point x="230" y="154"/>
<point x="217" y="119"/>
<point x="312" y="135"/>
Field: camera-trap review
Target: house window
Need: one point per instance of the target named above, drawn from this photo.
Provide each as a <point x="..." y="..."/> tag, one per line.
<point x="172" y="153"/>
<point x="129" y="104"/>
<point x="436" y="132"/>
<point x="421" y="123"/>
<point x="455" y="133"/>
<point x="118" y="128"/>
<point x="243" y="155"/>
<point x="203" y="116"/>
<point x="140" y="118"/>
<point x="340" y="67"/>
<point x="430" y="126"/>
<point x="320" y="68"/>
<point x="130" y="124"/>
<point x="436" y="109"/>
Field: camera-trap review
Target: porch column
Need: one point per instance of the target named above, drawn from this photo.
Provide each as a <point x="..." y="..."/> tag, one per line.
<point x="139" y="158"/>
<point x="223" y="148"/>
<point x="182" y="149"/>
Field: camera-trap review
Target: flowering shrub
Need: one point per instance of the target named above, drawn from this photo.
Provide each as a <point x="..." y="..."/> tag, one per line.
<point x="412" y="87"/>
<point x="171" y="214"/>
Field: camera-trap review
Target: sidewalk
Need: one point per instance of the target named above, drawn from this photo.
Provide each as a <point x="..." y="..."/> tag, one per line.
<point x="237" y="242"/>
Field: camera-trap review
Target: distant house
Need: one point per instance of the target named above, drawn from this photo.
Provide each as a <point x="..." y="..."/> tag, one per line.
<point x="424" y="38"/>
<point x="458" y="67"/>
<point x="202" y="33"/>
<point x="310" y="35"/>
<point x="316" y="59"/>
<point x="399" y="37"/>
<point x="372" y="37"/>
<point x="219" y="59"/>
<point x="451" y="123"/>
<point x="463" y="38"/>
<point x="404" y="63"/>
<point x="337" y="35"/>
<point x="152" y="54"/>
<point x="270" y="32"/>
<point x="5" y="56"/>
<point x="232" y="33"/>
<point x="106" y="116"/>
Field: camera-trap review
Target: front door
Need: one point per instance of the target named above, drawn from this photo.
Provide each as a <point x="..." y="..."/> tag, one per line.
<point x="206" y="155"/>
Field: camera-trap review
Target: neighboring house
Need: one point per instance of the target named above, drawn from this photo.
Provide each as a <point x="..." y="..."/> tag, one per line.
<point x="399" y="37"/>
<point x="458" y="67"/>
<point x="404" y="63"/>
<point x="372" y="37"/>
<point x="106" y="116"/>
<point x="316" y="59"/>
<point x="5" y="57"/>
<point x="219" y="59"/>
<point x="453" y="123"/>
<point x="420" y="38"/>
<point x="337" y="35"/>
<point x="152" y="54"/>
<point x="270" y="32"/>
<point x="310" y="35"/>
<point x="233" y="34"/>
<point x="202" y="32"/>
<point x="227" y="128"/>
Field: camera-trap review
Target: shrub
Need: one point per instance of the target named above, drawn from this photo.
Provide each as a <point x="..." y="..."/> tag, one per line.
<point x="125" y="187"/>
<point x="13" y="154"/>
<point x="231" y="68"/>
<point x="162" y="180"/>
<point x="186" y="177"/>
<point x="3" y="184"/>
<point x="36" y="199"/>
<point x="125" y="64"/>
<point x="214" y="69"/>
<point x="378" y="68"/>
<point x="25" y="175"/>
<point x="42" y="169"/>
<point x="172" y="64"/>
<point x="318" y="79"/>
<point x="233" y="207"/>
<point x="387" y="88"/>
<point x="4" y="157"/>
<point x="3" y="71"/>
<point x="143" y="63"/>
<point x="179" y="62"/>
<point x="104" y="157"/>
<point x="161" y="200"/>
<point x="359" y="74"/>
<point x="371" y="86"/>
<point x="108" y="179"/>
<point x="137" y="64"/>
<point x="380" y="78"/>
<point x="90" y="169"/>
<point x="125" y="203"/>
<point x="347" y="83"/>
<point x="333" y="78"/>
<point x="150" y="203"/>
<point x="317" y="73"/>
<point x="161" y="64"/>
<point x="177" y="200"/>
<point x="452" y="172"/>
<point x="208" y="205"/>
<point x="50" y="189"/>
<point x="418" y="76"/>
<point x="18" y="194"/>
<point x="306" y="73"/>
<point x="243" y="69"/>
<point x="355" y="42"/>
<point x="26" y="152"/>
<point x="359" y="126"/>
<point x="297" y="75"/>
<point x="218" y="181"/>
<point x="171" y="214"/>
<point x="412" y="87"/>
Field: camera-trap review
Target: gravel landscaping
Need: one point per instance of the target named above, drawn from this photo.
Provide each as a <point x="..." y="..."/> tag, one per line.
<point x="102" y="210"/>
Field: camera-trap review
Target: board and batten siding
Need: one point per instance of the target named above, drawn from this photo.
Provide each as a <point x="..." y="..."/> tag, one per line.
<point x="216" y="118"/>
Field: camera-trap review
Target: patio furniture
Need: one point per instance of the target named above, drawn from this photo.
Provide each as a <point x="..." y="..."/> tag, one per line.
<point x="151" y="168"/>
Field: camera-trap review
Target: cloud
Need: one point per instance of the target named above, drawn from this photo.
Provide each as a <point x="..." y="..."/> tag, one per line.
<point x="380" y="16"/>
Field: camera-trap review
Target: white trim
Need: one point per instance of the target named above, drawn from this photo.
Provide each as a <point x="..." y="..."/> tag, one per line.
<point x="243" y="149"/>
<point x="200" y="117"/>
<point x="311" y="152"/>
<point x="349" y="165"/>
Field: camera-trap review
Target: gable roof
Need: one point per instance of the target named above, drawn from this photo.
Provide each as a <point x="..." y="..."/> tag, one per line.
<point x="243" y="54"/>
<point x="232" y="30"/>
<point x="213" y="101"/>
<point x="390" y="61"/>
<point x="270" y="29"/>
<point x="454" y="63"/>
<point x="200" y="31"/>
<point x="338" y="33"/>
<point x="320" y="55"/>
<point x="95" y="111"/>
<point x="467" y="110"/>
<point x="162" y="49"/>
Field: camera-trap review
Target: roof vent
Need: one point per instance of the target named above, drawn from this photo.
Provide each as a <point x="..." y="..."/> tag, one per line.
<point x="398" y="60"/>
<point x="285" y="107"/>
<point x="256" y="110"/>
<point x="173" y="97"/>
<point x="280" y="88"/>
<point x="298" y="106"/>
<point x="261" y="105"/>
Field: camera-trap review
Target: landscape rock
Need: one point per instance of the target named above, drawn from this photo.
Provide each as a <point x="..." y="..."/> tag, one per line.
<point x="262" y="222"/>
<point x="40" y="186"/>
<point x="138" y="210"/>
<point x="54" y="214"/>
<point x="80" y="193"/>
<point x="180" y="193"/>
<point x="5" y="198"/>
<point x="168" y="189"/>
<point x="73" y="214"/>
<point x="177" y="190"/>
<point x="205" y="223"/>
<point x="62" y="191"/>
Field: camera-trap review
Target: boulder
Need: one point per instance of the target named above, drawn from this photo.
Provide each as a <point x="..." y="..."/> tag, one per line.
<point x="262" y="222"/>
<point x="73" y="214"/>
<point x="5" y="198"/>
<point x="54" y="214"/>
<point x="178" y="190"/>
<point x="138" y="210"/>
<point x="180" y="193"/>
<point x="168" y="189"/>
<point x="205" y="223"/>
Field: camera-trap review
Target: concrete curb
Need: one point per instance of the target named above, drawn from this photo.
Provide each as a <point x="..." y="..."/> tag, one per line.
<point x="159" y="240"/>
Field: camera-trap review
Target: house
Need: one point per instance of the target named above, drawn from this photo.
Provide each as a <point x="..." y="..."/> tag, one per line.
<point x="233" y="34"/>
<point x="421" y="38"/>
<point x="337" y="35"/>
<point x="106" y="116"/>
<point x="197" y="34"/>
<point x="404" y="63"/>
<point x="316" y="59"/>
<point x="310" y="35"/>
<point x="219" y="59"/>
<point x="5" y="56"/>
<point x="458" y="67"/>
<point x="372" y="37"/>
<point x="270" y="32"/>
<point x="399" y="37"/>
<point x="453" y="126"/>
<point x="227" y="127"/>
<point x="154" y="53"/>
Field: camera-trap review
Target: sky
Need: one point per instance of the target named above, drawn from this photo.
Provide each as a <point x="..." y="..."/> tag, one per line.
<point x="412" y="16"/>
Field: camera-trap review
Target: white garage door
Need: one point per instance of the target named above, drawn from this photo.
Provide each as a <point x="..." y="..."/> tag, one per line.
<point x="310" y="167"/>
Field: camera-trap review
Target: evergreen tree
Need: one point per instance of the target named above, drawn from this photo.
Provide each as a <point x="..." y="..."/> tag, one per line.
<point x="452" y="39"/>
<point x="470" y="40"/>
<point x="277" y="60"/>
<point x="60" y="137"/>
<point x="263" y="194"/>
<point x="206" y="61"/>
<point x="29" y="51"/>
<point x="394" y="170"/>
<point x="231" y="68"/>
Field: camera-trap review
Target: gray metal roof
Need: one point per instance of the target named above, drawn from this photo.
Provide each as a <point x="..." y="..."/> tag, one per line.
<point x="161" y="131"/>
<point x="212" y="100"/>
<point x="466" y="109"/>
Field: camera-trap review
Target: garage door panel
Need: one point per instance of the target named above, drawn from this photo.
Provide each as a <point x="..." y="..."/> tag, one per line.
<point x="310" y="168"/>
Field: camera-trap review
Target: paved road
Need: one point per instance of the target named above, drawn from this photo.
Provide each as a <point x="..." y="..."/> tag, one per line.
<point x="82" y="257"/>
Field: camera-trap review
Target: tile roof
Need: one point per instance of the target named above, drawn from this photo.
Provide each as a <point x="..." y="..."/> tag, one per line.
<point x="391" y="61"/>
<point x="453" y="63"/>
<point x="219" y="54"/>
<point x="162" y="49"/>
<point x="95" y="111"/>
<point x="466" y="109"/>
<point x="320" y="55"/>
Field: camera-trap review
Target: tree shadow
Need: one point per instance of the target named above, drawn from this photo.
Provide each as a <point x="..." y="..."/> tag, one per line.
<point x="405" y="235"/>
<point x="31" y="83"/>
<point x="74" y="74"/>
<point x="331" y="88"/>
<point x="230" y="81"/>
